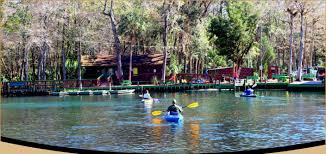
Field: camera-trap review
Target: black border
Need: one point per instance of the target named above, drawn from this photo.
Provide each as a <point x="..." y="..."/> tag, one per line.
<point x="75" y="150"/>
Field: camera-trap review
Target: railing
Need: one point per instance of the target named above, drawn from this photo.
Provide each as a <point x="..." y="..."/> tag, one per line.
<point x="46" y="85"/>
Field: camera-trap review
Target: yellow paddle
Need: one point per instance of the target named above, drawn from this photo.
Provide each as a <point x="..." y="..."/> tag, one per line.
<point x="192" y="105"/>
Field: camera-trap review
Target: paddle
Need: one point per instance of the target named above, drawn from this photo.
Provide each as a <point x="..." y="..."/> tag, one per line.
<point x="191" y="105"/>
<point x="254" y="86"/>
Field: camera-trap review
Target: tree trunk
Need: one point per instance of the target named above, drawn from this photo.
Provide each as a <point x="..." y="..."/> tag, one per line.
<point x="40" y="63"/>
<point x="295" y="59"/>
<point x="305" y="57"/>
<point x="63" y="54"/>
<point x="130" y="56"/>
<point x="57" y="64"/>
<point x="45" y="49"/>
<point x="291" y="46"/>
<point x="278" y="60"/>
<point x="117" y="44"/>
<point x="190" y="63"/>
<point x="25" y="61"/>
<point x="165" y="33"/>
<point x="180" y="48"/>
<point x="283" y="58"/>
<point x="79" y="64"/>
<point x="196" y="65"/>
<point x="78" y="50"/>
<point x="299" y="74"/>
<point x="33" y="62"/>
<point x="185" y="64"/>
<point x="175" y="44"/>
<point x="312" y="45"/>
<point x="261" y="55"/>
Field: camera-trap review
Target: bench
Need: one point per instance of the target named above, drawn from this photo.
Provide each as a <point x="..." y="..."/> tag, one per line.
<point x="280" y="77"/>
<point x="309" y="76"/>
<point x="126" y="83"/>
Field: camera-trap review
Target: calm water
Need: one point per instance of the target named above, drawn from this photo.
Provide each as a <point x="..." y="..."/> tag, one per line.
<point x="223" y="121"/>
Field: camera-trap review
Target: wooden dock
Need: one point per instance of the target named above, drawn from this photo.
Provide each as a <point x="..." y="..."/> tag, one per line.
<point x="55" y="87"/>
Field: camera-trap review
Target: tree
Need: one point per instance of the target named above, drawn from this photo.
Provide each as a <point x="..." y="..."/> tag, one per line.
<point x="293" y="12"/>
<point x="174" y="67"/>
<point x="165" y="33"/>
<point x="234" y="35"/>
<point x="303" y="10"/>
<point x="19" y="22"/>
<point x="133" y="23"/>
<point x="117" y="44"/>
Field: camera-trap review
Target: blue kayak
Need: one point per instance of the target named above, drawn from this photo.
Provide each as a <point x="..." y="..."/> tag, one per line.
<point x="244" y="95"/>
<point x="173" y="118"/>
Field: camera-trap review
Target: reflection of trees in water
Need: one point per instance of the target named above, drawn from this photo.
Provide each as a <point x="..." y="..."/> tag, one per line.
<point x="194" y="137"/>
<point x="156" y="130"/>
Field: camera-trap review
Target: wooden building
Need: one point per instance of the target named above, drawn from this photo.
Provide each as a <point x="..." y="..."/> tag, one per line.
<point x="227" y="73"/>
<point x="273" y="70"/>
<point x="145" y="67"/>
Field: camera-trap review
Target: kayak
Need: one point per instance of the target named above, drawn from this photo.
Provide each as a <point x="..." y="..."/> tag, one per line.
<point x="127" y="91"/>
<point x="173" y="118"/>
<point x="152" y="100"/>
<point x="147" y="101"/>
<point x="244" y="95"/>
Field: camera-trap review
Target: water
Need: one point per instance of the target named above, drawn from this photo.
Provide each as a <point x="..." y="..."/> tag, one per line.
<point x="223" y="122"/>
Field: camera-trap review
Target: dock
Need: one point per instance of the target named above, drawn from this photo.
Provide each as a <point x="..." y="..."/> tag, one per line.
<point x="59" y="88"/>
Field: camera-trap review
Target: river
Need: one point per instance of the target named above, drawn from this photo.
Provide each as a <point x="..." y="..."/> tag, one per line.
<point x="223" y="121"/>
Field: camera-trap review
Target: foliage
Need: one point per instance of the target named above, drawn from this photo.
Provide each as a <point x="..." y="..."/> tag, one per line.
<point x="269" y="53"/>
<point x="201" y="34"/>
<point x="133" y="22"/>
<point x="154" y="80"/>
<point x="174" y="67"/>
<point x="215" y="60"/>
<point x="234" y="35"/>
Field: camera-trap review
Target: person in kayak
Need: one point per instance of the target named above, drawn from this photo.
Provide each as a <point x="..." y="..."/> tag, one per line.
<point x="249" y="91"/>
<point x="147" y="95"/>
<point x="174" y="109"/>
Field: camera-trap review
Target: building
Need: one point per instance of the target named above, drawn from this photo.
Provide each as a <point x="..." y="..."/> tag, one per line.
<point x="145" y="67"/>
<point x="227" y="73"/>
<point x="273" y="70"/>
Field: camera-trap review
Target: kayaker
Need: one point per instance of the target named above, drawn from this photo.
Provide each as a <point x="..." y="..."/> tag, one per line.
<point x="147" y="95"/>
<point x="174" y="109"/>
<point x="249" y="91"/>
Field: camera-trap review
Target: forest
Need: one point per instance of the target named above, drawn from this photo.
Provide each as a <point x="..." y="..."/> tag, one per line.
<point x="45" y="39"/>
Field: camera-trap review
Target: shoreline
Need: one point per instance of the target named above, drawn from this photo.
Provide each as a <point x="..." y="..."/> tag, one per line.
<point x="33" y="90"/>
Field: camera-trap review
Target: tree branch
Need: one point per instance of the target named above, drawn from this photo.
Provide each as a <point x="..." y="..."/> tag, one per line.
<point x="104" y="9"/>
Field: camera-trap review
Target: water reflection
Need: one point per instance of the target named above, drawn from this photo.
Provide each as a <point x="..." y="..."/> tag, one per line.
<point x="156" y="129"/>
<point x="148" y="109"/>
<point x="176" y="127"/>
<point x="194" y="135"/>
